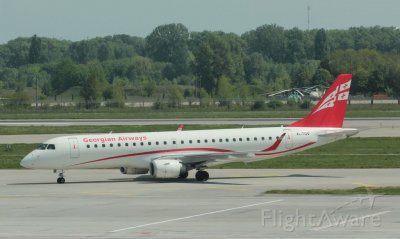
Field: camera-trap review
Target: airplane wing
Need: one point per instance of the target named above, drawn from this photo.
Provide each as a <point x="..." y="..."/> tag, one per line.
<point x="194" y="159"/>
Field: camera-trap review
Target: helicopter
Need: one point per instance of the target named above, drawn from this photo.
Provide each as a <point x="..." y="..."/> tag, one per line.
<point x="297" y="94"/>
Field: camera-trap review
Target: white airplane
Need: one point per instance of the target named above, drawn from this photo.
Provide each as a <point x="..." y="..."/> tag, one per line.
<point x="172" y="154"/>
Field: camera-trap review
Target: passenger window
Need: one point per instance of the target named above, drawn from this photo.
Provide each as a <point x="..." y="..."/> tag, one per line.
<point x="234" y="139"/>
<point x="111" y="145"/>
<point x="213" y="140"/>
<point x="240" y="139"/>
<point x="198" y="141"/>
<point x="165" y="142"/>
<point x="220" y="140"/>
<point x="174" y="142"/>
<point x="134" y="144"/>
<point x="95" y="145"/>
<point x="182" y="142"/>
<point x="270" y="138"/>
<point x="88" y="146"/>
<point x="126" y="144"/>
<point x="255" y="138"/>
<point x="227" y="140"/>
<point x="205" y="141"/>
<point x="190" y="141"/>
<point x="141" y="143"/>
<point x="157" y="143"/>
<point x="149" y="143"/>
<point x="119" y="145"/>
<point x="262" y="138"/>
<point x="248" y="139"/>
<point x="103" y="145"/>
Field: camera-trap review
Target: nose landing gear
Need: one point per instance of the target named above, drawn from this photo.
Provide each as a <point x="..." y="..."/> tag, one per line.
<point x="60" y="178"/>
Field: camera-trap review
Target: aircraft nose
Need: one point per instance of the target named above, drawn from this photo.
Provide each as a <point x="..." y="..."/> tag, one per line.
<point x="27" y="161"/>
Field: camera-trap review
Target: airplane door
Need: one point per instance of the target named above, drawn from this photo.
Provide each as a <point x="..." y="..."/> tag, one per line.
<point x="73" y="147"/>
<point x="288" y="139"/>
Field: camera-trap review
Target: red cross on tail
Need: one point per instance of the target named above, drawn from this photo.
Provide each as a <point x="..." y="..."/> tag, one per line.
<point x="330" y="110"/>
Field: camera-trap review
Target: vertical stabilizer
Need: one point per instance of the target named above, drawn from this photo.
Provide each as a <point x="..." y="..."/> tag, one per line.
<point x="330" y="110"/>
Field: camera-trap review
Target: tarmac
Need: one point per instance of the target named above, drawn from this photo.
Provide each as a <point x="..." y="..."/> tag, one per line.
<point x="232" y="204"/>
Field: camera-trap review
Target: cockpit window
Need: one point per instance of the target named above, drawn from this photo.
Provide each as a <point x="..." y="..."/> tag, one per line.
<point x="46" y="146"/>
<point x="42" y="146"/>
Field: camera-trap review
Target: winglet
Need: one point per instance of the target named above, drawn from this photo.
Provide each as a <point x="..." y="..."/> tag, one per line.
<point x="180" y="128"/>
<point x="330" y="110"/>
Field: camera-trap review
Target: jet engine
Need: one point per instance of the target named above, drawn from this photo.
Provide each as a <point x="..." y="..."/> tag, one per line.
<point x="166" y="168"/>
<point x="126" y="170"/>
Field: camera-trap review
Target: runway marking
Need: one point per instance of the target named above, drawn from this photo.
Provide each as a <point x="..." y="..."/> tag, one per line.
<point x="193" y="216"/>
<point x="257" y="175"/>
<point x="228" y="189"/>
<point x="19" y="195"/>
<point x="349" y="221"/>
<point x="106" y="194"/>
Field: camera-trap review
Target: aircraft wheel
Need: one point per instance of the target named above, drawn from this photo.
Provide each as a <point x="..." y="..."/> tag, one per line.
<point x="202" y="176"/>
<point x="184" y="175"/>
<point x="61" y="180"/>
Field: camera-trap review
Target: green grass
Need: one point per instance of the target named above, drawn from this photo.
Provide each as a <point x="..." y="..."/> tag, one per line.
<point x="147" y="113"/>
<point x="358" y="190"/>
<point x="348" y="153"/>
<point x="10" y="158"/>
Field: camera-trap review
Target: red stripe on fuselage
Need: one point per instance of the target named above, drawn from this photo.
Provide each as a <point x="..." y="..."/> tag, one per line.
<point x="276" y="144"/>
<point x="285" y="151"/>
<point x="159" y="151"/>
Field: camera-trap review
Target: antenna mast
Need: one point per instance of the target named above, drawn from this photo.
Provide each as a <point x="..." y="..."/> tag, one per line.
<point x="308" y="17"/>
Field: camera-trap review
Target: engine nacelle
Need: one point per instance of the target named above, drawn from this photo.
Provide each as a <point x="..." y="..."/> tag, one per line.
<point x="166" y="168"/>
<point x="126" y="170"/>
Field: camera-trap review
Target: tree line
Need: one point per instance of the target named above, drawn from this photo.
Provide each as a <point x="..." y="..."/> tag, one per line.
<point x="174" y="63"/>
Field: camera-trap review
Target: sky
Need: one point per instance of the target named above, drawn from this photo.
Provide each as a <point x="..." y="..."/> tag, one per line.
<point x="82" y="19"/>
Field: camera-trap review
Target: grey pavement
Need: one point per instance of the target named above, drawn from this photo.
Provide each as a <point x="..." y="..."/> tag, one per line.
<point x="232" y="204"/>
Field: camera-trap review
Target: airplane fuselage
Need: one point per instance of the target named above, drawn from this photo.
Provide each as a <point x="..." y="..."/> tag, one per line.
<point x="137" y="150"/>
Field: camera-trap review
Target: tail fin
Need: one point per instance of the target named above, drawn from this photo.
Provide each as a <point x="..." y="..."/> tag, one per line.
<point x="330" y="110"/>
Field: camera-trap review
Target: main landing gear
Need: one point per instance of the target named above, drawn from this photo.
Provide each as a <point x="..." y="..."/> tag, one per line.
<point x="202" y="175"/>
<point x="60" y="178"/>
